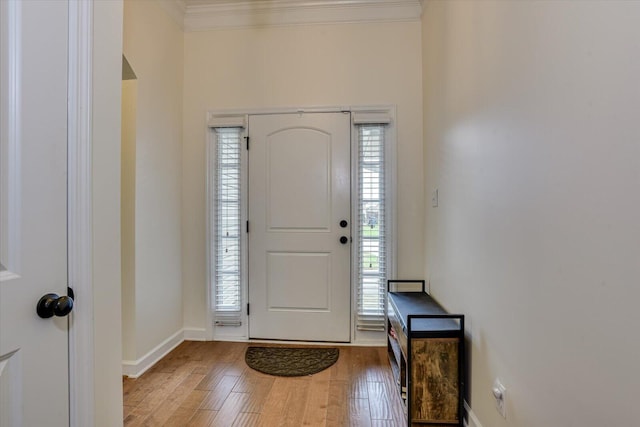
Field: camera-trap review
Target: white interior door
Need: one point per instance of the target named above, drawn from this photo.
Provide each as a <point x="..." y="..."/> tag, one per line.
<point x="34" y="379"/>
<point x="299" y="192"/>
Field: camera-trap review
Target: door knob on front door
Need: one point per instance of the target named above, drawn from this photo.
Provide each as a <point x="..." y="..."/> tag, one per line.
<point x="344" y="223"/>
<point x="54" y="305"/>
<point x="344" y="240"/>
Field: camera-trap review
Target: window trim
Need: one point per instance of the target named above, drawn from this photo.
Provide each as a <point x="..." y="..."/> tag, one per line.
<point x="214" y="121"/>
<point x="369" y="115"/>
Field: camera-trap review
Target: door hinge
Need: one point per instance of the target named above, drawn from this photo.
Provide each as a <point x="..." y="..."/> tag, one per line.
<point x="247" y="309"/>
<point x="247" y="139"/>
<point x="247" y="226"/>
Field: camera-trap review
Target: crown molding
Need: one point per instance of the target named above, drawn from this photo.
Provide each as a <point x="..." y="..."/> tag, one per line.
<point x="266" y="13"/>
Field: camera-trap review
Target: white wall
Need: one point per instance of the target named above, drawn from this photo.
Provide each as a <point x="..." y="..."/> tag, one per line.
<point x="153" y="45"/>
<point x="532" y="136"/>
<point x="128" y="217"/>
<point x="297" y="66"/>
<point x="107" y="54"/>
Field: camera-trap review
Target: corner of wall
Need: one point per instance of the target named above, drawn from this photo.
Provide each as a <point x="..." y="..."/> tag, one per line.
<point x="471" y="419"/>
<point x="135" y="368"/>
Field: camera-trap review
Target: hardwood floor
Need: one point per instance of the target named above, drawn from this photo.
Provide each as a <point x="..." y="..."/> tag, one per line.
<point x="209" y="384"/>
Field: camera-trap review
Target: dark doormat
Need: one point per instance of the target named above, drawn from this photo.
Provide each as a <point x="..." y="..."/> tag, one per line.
<point x="290" y="362"/>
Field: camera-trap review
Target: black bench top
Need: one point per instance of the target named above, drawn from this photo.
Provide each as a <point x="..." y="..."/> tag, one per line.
<point x="420" y="303"/>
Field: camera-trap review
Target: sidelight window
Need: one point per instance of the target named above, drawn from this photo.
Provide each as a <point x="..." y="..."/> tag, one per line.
<point x="372" y="223"/>
<point x="226" y="209"/>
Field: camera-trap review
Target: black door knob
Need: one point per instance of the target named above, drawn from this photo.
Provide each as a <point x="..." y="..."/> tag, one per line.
<point x="54" y="305"/>
<point x="344" y="240"/>
<point x="344" y="223"/>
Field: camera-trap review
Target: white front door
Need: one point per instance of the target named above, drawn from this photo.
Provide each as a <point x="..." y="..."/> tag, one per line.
<point x="299" y="193"/>
<point x="34" y="382"/>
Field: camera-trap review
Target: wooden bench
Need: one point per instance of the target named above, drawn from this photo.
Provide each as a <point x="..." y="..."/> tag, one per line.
<point x="426" y="353"/>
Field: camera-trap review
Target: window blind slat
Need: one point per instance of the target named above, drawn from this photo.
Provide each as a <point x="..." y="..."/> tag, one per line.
<point x="227" y="253"/>
<point x="372" y="227"/>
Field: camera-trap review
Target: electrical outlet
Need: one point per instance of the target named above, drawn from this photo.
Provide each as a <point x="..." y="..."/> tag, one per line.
<point x="500" y="394"/>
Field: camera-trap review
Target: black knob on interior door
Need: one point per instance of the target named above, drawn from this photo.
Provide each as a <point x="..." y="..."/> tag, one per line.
<point x="344" y="240"/>
<point x="54" y="305"/>
<point x="344" y="223"/>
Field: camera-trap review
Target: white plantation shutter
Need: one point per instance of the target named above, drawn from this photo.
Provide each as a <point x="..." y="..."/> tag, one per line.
<point x="226" y="251"/>
<point x="372" y="227"/>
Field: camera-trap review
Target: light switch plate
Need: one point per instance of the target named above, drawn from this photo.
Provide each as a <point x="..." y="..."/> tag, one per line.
<point x="500" y="394"/>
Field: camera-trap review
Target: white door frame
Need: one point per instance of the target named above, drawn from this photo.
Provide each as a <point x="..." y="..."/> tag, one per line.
<point x="79" y="224"/>
<point x="357" y="337"/>
<point x="79" y="197"/>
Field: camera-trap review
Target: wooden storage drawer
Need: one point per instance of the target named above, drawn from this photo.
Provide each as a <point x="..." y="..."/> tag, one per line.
<point x="434" y="379"/>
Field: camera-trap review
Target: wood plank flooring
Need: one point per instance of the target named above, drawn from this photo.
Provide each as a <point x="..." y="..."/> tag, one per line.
<point x="209" y="384"/>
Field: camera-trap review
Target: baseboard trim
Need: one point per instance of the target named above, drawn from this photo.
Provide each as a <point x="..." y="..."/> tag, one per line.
<point x="472" y="420"/>
<point x="135" y="368"/>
